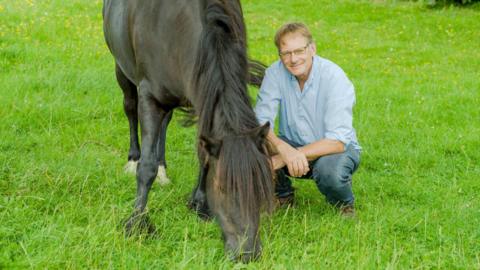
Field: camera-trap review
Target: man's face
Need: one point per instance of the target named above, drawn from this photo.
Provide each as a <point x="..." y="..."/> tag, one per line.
<point x="297" y="55"/>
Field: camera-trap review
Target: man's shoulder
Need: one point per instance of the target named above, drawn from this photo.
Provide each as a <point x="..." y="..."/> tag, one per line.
<point x="328" y="68"/>
<point x="332" y="74"/>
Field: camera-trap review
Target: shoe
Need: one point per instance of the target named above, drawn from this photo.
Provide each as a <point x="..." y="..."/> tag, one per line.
<point x="287" y="201"/>
<point x="347" y="211"/>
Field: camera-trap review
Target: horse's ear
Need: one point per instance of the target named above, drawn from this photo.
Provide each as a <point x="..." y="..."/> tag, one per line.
<point x="261" y="131"/>
<point x="210" y="145"/>
<point x="260" y="134"/>
<point x="264" y="130"/>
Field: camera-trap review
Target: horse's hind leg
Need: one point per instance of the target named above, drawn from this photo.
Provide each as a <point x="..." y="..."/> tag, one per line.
<point x="151" y="118"/>
<point x="162" y="178"/>
<point x="130" y="104"/>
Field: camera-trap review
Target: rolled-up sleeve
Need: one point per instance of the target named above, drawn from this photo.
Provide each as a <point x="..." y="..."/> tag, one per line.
<point x="268" y="99"/>
<point x="339" y="110"/>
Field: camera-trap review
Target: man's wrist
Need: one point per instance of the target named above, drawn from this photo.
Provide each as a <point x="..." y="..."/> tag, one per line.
<point x="281" y="145"/>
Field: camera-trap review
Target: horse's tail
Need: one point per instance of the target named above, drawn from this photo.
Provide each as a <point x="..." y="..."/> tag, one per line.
<point x="256" y="72"/>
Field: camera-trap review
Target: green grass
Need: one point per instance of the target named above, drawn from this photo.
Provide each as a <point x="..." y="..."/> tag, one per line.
<point x="64" y="142"/>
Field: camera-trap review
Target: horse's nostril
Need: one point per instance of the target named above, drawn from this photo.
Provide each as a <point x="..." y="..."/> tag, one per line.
<point x="243" y="250"/>
<point x="246" y="257"/>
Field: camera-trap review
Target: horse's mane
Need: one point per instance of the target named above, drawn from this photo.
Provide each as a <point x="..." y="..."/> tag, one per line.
<point x="222" y="71"/>
<point x="223" y="105"/>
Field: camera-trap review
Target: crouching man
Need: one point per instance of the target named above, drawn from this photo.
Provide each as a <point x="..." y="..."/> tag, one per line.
<point x="314" y="100"/>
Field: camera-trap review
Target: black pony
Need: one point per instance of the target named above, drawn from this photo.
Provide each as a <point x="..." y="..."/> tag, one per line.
<point x="192" y="54"/>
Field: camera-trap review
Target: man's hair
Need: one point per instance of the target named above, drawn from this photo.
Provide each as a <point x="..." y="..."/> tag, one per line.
<point x="292" y="27"/>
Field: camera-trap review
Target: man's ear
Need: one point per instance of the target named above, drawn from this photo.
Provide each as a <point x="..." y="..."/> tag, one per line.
<point x="210" y="145"/>
<point x="314" y="48"/>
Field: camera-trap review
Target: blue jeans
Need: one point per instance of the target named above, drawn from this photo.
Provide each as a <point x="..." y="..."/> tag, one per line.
<point x="332" y="174"/>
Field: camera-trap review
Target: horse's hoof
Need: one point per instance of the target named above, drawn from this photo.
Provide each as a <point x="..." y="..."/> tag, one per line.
<point x="201" y="209"/>
<point x="162" y="178"/>
<point x="131" y="167"/>
<point x="139" y="224"/>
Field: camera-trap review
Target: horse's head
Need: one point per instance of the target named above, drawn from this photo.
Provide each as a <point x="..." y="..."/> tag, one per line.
<point x="239" y="185"/>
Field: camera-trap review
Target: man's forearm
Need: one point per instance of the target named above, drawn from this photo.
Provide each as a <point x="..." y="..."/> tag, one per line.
<point x="321" y="148"/>
<point x="311" y="151"/>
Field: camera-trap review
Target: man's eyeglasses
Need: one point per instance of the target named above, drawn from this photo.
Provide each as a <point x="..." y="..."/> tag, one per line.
<point x="301" y="51"/>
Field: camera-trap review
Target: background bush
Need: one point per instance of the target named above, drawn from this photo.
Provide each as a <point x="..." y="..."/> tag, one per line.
<point x="451" y="2"/>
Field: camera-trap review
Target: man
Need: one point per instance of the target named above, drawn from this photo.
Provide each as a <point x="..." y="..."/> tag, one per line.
<point x="316" y="138"/>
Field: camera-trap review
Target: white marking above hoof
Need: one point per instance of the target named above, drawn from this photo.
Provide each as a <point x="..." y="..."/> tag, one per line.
<point x="162" y="178"/>
<point x="131" y="167"/>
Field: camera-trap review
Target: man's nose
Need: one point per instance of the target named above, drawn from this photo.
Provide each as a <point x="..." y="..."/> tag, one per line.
<point x="293" y="57"/>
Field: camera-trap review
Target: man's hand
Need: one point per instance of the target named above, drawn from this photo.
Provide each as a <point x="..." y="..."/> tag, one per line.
<point x="295" y="160"/>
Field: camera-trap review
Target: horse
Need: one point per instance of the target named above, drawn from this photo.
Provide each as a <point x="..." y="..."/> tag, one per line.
<point x="192" y="55"/>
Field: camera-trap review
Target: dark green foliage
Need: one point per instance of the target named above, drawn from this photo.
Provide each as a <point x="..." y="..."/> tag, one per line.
<point x="452" y="2"/>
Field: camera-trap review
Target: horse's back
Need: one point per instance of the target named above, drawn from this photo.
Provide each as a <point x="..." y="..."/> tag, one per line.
<point x="153" y="38"/>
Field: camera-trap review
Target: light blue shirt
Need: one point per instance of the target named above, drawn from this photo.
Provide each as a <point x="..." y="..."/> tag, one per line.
<point x="322" y="110"/>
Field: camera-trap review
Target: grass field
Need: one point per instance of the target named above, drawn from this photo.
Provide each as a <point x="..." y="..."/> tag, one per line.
<point x="64" y="139"/>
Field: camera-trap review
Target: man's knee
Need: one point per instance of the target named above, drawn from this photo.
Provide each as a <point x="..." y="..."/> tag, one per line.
<point x="333" y="172"/>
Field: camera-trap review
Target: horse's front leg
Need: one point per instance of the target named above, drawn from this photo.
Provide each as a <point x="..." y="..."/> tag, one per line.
<point x="198" y="201"/>
<point x="151" y="117"/>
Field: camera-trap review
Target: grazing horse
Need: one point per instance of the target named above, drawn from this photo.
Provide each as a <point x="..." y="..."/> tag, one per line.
<point x="192" y="54"/>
